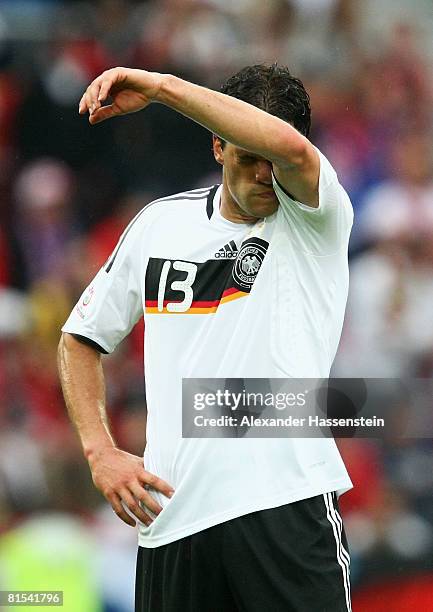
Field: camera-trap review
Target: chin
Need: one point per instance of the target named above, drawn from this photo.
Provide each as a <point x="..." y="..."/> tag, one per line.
<point x="265" y="210"/>
<point x="270" y="211"/>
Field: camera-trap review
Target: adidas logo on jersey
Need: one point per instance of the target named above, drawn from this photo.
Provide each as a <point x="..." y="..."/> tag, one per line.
<point x="228" y="251"/>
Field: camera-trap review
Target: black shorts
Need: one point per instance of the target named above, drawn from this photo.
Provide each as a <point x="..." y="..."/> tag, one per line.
<point x="288" y="559"/>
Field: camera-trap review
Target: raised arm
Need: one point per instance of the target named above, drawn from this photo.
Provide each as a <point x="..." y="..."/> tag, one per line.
<point x="119" y="476"/>
<point x="295" y="160"/>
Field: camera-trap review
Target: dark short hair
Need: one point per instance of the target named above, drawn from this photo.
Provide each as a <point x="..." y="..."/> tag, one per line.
<point x="274" y="90"/>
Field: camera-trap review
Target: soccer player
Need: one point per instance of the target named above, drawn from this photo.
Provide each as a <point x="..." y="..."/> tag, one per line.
<point x="244" y="279"/>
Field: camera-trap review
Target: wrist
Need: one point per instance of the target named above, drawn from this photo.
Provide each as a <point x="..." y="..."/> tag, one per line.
<point x="95" y="448"/>
<point x="164" y="88"/>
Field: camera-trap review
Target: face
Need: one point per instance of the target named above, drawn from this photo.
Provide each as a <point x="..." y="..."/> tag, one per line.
<point x="247" y="184"/>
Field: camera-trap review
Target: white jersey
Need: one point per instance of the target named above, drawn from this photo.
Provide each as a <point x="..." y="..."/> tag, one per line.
<point x="226" y="300"/>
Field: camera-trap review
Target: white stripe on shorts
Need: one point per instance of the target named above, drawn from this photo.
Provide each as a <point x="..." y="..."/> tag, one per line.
<point x="342" y="554"/>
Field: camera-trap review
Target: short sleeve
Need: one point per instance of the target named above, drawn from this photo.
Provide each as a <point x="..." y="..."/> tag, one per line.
<point x="112" y="304"/>
<point x="325" y="229"/>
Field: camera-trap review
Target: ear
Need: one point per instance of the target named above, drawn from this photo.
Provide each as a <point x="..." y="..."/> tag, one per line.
<point x="218" y="150"/>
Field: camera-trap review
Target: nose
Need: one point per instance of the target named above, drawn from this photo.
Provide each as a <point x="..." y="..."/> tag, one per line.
<point x="264" y="172"/>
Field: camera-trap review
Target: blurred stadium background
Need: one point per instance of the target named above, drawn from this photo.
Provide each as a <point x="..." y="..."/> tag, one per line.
<point x="67" y="191"/>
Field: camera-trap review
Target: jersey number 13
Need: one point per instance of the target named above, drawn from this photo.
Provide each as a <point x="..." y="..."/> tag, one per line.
<point x="184" y="285"/>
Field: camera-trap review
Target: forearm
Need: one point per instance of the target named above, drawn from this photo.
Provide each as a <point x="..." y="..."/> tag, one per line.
<point x="83" y="385"/>
<point x="295" y="161"/>
<point x="236" y="121"/>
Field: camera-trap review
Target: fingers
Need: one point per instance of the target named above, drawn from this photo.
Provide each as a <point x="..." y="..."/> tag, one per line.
<point x="135" y="507"/>
<point x="146" y="498"/>
<point x="135" y="493"/>
<point x="132" y="496"/>
<point x="104" y="90"/>
<point x="132" y="499"/>
<point x="89" y="99"/>
<point x="96" y="93"/>
<point x="156" y="483"/>
<point x="82" y="106"/>
<point x="122" y="479"/>
<point x="102" y="113"/>
<point x="116" y="504"/>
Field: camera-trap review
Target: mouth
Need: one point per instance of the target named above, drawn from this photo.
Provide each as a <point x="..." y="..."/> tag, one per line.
<point x="268" y="195"/>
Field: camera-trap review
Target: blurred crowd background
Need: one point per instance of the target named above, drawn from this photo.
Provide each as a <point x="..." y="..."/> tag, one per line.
<point x="67" y="190"/>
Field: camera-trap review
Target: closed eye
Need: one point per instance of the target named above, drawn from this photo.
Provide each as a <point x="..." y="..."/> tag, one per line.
<point x="247" y="159"/>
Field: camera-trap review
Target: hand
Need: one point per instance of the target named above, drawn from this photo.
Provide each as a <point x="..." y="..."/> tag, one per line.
<point x="121" y="477"/>
<point x="130" y="89"/>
